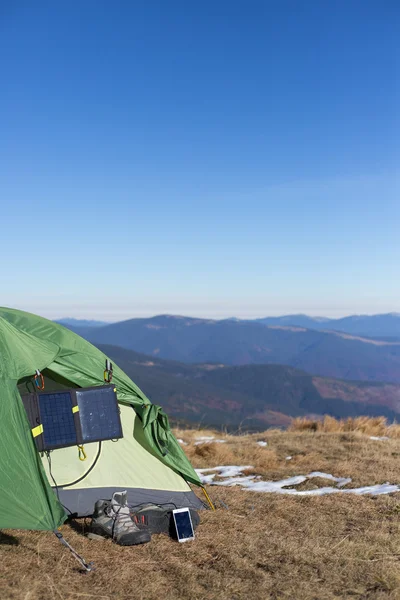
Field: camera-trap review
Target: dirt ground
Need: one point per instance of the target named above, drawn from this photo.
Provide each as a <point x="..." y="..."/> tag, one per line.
<point x="262" y="546"/>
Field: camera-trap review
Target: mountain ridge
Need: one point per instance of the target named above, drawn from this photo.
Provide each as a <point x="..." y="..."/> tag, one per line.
<point x="250" y="396"/>
<point x="384" y="324"/>
<point x="192" y="340"/>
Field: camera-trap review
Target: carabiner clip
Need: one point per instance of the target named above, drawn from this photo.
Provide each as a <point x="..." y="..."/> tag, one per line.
<point x="108" y="372"/>
<point x="39" y="380"/>
<point x="82" y="453"/>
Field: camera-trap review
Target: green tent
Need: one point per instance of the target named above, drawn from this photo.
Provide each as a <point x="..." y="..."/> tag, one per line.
<point x="147" y="461"/>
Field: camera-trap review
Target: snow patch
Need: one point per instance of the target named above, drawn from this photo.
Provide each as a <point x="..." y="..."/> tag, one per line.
<point x="207" y="478"/>
<point x="233" y="475"/>
<point x="374" y="437"/>
<point x="262" y="444"/>
<point x="207" y="439"/>
<point x="181" y="442"/>
<point x="225" y="471"/>
<point x="289" y="458"/>
<point x="341" y="481"/>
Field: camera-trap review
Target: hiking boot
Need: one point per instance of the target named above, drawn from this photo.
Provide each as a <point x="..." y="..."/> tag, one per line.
<point x="111" y="519"/>
<point x="158" y="519"/>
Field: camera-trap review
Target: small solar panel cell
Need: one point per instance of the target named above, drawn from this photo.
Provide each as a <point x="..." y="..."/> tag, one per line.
<point x="57" y="420"/>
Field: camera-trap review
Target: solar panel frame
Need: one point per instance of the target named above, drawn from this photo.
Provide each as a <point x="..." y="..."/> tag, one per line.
<point x="31" y="405"/>
<point x="69" y="419"/>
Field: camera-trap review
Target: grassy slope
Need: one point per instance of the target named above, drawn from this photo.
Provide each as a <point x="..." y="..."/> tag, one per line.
<point x="259" y="394"/>
<point x="264" y="546"/>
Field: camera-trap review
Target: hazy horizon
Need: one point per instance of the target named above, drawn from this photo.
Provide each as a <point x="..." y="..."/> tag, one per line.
<point x="95" y="316"/>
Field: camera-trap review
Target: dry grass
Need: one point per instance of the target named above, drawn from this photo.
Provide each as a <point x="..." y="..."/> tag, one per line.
<point x="264" y="546"/>
<point x="377" y="426"/>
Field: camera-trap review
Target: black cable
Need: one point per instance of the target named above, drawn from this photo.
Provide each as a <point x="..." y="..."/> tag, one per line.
<point x="55" y="483"/>
<point x="47" y="453"/>
<point x="73" y="482"/>
<point x="136" y="507"/>
<point x="86" y="472"/>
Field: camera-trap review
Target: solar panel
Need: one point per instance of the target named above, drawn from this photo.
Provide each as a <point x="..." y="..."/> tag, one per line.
<point x="73" y="417"/>
<point x="99" y="414"/>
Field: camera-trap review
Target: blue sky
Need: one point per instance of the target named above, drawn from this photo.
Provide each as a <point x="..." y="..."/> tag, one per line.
<point x="211" y="158"/>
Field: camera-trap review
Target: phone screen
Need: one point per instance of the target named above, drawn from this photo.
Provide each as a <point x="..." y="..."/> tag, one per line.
<point x="183" y="523"/>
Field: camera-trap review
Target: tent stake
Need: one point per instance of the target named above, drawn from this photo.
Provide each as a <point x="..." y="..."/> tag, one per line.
<point x="208" y="498"/>
<point x="87" y="566"/>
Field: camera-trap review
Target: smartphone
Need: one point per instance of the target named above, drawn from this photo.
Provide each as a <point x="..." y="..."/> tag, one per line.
<point x="183" y="524"/>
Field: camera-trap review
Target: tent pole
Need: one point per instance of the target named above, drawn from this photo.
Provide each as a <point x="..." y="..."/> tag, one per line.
<point x="87" y="566"/>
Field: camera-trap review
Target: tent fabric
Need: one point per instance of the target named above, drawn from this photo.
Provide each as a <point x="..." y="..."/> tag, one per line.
<point x="81" y="501"/>
<point x="26" y="498"/>
<point x="27" y="343"/>
<point x="128" y="463"/>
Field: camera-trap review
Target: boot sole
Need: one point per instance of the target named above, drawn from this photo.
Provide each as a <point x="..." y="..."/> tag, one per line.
<point x="96" y="536"/>
<point x="142" y="538"/>
<point x="136" y="543"/>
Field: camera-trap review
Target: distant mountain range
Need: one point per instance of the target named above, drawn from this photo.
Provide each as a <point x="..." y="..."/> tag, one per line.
<point x="252" y="396"/>
<point x="376" y="326"/>
<point x="320" y="351"/>
<point x="78" y="323"/>
<point x="387" y="325"/>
